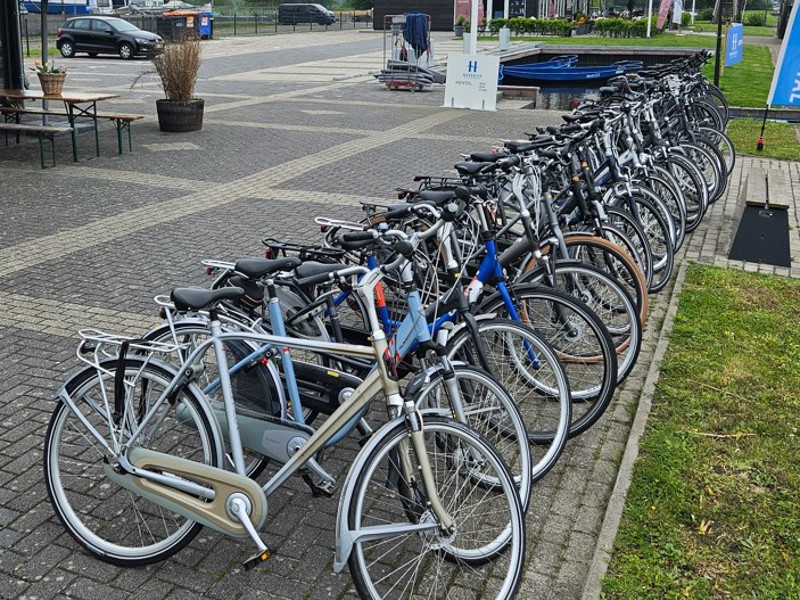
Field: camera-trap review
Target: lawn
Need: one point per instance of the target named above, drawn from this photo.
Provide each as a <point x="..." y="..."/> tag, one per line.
<point x="746" y="84"/>
<point x="713" y="510"/>
<point x="780" y="139"/>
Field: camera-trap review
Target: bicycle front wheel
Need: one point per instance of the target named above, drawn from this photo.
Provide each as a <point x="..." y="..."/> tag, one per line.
<point x="480" y="557"/>
<point x="110" y="522"/>
<point x="486" y="406"/>
<point x="529" y="369"/>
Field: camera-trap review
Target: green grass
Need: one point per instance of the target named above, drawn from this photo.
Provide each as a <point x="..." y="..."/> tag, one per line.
<point x="713" y="510"/>
<point x="708" y="27"/>
<point x="746" y="84"/>
<point x="780" y="139"/>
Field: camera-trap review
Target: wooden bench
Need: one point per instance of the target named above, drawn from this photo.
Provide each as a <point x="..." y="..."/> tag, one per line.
<point x="42" y="131"/>
<point x="122" y="122"/>
<point x="10" y="112"/>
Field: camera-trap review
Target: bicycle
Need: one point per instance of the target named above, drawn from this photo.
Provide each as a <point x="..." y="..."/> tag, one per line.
<point x="138" y="423"/>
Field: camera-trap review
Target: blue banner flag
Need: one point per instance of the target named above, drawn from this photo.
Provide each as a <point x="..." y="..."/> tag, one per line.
<point x="734" y="44"/>
<point x="785" y="89"/>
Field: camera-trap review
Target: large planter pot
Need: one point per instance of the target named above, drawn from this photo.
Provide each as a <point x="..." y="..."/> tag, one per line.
<point x="174" y="116"/>
<point x="458" y="30"/>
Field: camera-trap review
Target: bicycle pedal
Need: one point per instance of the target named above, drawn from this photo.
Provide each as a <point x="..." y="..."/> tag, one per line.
<point x="317" y="489"/>
<point x="256" y="560"/>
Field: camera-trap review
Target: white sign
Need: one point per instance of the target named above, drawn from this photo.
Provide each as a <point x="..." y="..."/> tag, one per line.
<point x="471" y="81"/>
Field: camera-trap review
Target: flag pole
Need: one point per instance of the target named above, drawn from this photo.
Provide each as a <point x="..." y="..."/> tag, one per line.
<point x="760" y="142"/>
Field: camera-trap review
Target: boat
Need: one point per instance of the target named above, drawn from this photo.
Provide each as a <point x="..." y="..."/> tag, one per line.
<point x="547" y="72"/>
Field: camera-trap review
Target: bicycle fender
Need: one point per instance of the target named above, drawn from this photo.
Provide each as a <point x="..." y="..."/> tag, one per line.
<point x="461" y="324"/>
<point x="64" y="395"/>
<point x="344" y="537"/>
<point x="418" y="383"/>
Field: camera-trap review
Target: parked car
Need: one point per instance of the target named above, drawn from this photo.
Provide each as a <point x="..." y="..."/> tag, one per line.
<point x="291" y="14"/>
<point x="105" y="35"/>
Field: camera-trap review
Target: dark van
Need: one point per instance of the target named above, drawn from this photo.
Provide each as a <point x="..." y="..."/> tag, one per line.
<point x="291" y="14"/>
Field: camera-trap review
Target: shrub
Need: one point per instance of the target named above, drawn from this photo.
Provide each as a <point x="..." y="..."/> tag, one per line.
<point x="624" y="28"/>
<point x="176" y="67"/>
<point x="705" y="14"/>
<point x="756" y="19"/>
<point x="496" y="25"/>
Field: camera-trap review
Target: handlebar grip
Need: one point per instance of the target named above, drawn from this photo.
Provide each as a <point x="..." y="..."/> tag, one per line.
<point x="404" y="248"/>
<point x="355" y="240"/>
<point x="506" y="164"/>
<point x="398" y="212"/>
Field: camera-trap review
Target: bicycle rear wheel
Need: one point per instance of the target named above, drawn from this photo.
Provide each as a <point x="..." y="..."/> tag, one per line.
<point x="607" y="299"/>
<point x="580" y="339"/>
<point x="528" y="368"/>
<point x="481" y="557"/>
<point x="110" y="522"/>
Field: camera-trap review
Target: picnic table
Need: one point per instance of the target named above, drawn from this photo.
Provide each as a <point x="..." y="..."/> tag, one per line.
<point x="77" y="106"/>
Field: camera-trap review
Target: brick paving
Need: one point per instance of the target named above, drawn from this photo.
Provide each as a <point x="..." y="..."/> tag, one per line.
<point x="90" y="244"/>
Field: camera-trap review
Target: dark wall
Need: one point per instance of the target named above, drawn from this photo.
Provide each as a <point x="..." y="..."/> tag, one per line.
<point x="10" y="45"/>
<point x="441" y="12"/>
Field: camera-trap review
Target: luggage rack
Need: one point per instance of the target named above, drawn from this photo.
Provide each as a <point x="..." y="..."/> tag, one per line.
<point x="408" y="38"/>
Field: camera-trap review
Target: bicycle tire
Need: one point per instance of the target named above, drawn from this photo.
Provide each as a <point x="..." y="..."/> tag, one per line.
<point x="709" y="165"/>
<point x="609" y="257"/>
<point x="489" y="524"/>
<point x="721" y="141"/>
<point x="657" y="232"/>
<point x="530" y="371"/>
<point x="608" y="300"/>
<point x="492" y="412"/>
<point x="580" y="340"/>
<point x="85" y="500"/>
<point x="664" y="185"/>
<point x="706" y="114"/>
<point x="693" y="186"/>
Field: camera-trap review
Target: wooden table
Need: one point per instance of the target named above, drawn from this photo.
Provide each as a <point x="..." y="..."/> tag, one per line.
<point x="77" y="104"/>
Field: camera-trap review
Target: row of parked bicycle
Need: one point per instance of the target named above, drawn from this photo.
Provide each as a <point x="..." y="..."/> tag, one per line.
<point x="494" y="312"/>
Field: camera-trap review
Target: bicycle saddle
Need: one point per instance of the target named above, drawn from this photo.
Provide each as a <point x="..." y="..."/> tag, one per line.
<point x="197" y="298"/>
<point x="258" y="267"/>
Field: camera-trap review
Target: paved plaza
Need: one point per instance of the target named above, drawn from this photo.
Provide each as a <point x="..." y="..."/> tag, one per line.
<point x="295" y="127"/>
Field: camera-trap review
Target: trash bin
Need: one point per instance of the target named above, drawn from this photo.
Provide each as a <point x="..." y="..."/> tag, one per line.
<point x="174" y="25"/>
<point x="206" y="25"/>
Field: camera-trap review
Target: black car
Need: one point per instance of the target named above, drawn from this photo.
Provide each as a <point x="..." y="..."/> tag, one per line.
<point x="105" y="35"/>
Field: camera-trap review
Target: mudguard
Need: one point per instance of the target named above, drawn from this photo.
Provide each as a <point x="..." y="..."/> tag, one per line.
<point x="344" y="538"/>
<point x="64" y="395"/>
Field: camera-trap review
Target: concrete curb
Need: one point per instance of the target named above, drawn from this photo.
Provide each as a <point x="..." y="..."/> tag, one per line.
<point x="616" y="503"/>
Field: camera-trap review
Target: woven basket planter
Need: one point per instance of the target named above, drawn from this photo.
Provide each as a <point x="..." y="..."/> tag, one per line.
<point x="52" y="83"/>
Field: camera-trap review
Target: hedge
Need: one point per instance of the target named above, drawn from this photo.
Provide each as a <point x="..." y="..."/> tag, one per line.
<point x="525" y="26"/>
<point x="624" y="28"/>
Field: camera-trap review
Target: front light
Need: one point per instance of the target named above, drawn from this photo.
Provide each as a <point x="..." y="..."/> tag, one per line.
<point x="142" y="41"/>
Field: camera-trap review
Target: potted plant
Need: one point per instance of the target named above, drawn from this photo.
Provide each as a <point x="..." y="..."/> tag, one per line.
<point x="458" y="28"/>
<point x="51" y="77"/>
<point x="176" y="66"/>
